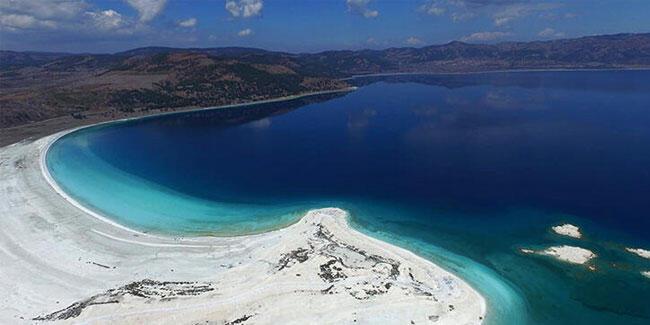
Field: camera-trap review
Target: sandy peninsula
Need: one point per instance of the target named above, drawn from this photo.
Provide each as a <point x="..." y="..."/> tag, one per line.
<point x="60" y="264"/>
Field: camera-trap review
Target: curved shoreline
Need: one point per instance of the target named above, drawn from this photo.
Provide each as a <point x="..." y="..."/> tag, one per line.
<point x="55" y="186"/>
<point x="73" y="123"/>
<point x="42" y="236"/>
<point x="107" y="219"/>
<point x="55" y="137"/>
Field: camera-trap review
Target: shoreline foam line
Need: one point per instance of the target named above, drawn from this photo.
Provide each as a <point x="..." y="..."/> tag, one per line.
<point x="129" y="241"/>
<point x="55" y="186"/>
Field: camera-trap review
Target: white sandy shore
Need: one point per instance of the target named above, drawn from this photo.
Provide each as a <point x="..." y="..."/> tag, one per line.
<point x="639" y="252"/>
<point x="567" y="230"/>
<point x="59" y="263"/>
<point x="565" y="253"/>
<point x="646" y="274"/>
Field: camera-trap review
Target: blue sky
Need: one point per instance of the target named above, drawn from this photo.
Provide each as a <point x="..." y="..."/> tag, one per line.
<point x="304" y="25"/>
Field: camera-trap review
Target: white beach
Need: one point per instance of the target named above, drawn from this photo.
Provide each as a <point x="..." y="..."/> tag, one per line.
<point x="59" y="263"/>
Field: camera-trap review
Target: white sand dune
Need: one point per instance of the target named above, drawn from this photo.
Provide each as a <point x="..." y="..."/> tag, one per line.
<point x="59" y="263"/>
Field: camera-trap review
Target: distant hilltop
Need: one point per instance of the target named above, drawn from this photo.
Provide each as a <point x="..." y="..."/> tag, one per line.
<point x="38" y="85"/>
<point x="601" y="51"/>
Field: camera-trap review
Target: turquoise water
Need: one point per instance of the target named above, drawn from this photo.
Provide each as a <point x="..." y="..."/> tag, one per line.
<point x="463" y="170"/>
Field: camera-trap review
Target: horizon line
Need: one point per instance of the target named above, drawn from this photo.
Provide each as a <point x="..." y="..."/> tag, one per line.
<point x="325" y="51"/>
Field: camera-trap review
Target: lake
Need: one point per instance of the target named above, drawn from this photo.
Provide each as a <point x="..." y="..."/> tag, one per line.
<point x="462" y="169"/>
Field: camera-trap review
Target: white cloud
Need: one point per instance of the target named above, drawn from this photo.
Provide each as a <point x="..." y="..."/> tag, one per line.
<point x="187" y="23"/>
<point x="457" y="10"/>
<point x="485" y="36"/>
<point x="44" y="9"/>
<point x="33" y="14"/>
<point x="434" y="8"/>
<point x="18" y="21"/>
<point x="516" y="11"/>
<point x="502" y="20"/>
<point x="550" y="32"/>
<point x="245" y="8"/>
<point x="413" y="41"/>
<point x="106" y="20"/>
<point x="68" y="17"/>
<point x="147" y="9"/>
<point x="501" y="12"/>
<point x="233" y="8"/>
<point x="360" y="7"/>
<point x="245" y="32"/>
<point x="546" y="32"/>
<point x="461" y="16"/>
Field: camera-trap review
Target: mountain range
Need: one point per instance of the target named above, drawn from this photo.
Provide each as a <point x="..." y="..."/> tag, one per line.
<point x="37" y="86"/>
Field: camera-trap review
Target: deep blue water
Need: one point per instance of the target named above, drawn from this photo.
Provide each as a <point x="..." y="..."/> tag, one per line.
<point x="462" y="169"/>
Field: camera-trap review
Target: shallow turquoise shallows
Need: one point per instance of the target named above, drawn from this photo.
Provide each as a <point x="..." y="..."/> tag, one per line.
<point x="464" y="170"/>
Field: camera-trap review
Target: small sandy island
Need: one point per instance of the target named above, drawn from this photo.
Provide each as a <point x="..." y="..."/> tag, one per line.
<point x="565" y="253"/>
<point x="646" y="274"/>
<point x="639" y="251"/>
<point x="567" y="230"/>
<point x="571" y="254"/>
<point x="59" y="264"/>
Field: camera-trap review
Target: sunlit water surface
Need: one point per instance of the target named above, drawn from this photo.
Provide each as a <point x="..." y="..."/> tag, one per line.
<point x="462" y="169"/>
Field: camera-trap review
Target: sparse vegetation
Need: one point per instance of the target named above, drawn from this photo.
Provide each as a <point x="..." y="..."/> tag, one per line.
<point x="38" y="86"/>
